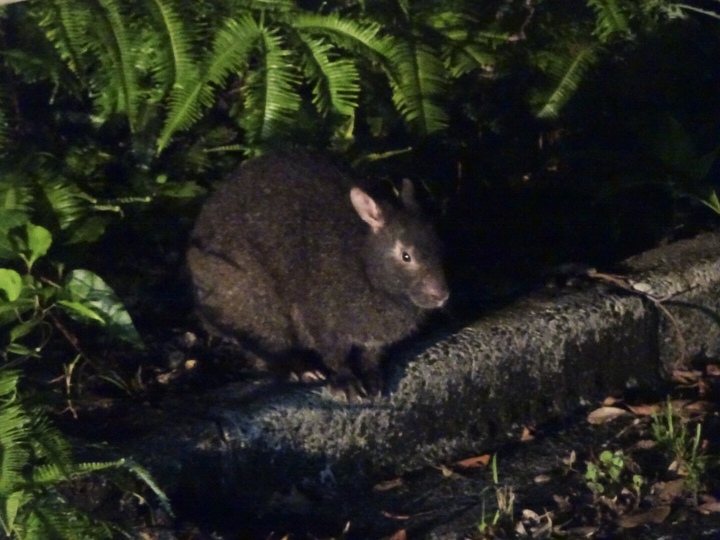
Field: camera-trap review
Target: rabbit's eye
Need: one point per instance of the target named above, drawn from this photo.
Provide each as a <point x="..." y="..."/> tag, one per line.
<point x="406" y="256"/>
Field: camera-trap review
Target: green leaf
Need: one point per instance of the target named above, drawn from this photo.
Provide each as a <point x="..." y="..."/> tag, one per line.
<point x="39" y="241"/>
<point x="81" y="310"/>
<point x="89" y="290"/>
<point x="232" y="47"/>
<point x="11" y="283"/>
<point x="12" y="504"/>
<point x="21" y="350"/>
<point x="712" y="202"/>
<point x="566" y="71"/>
<point x="23" y="329"/>
<point x="272" y="98"/>
<point x="10" y="219"/>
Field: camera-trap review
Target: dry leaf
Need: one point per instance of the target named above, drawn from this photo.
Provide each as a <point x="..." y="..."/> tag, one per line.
<point x="542" y="478"/>
<point x="709" y="507"/>
<point x="645" y="410"/>
<point x="474" y="462"/>
<point x="686" y="376"/>
<point x="667" y="492"/>
<point x="527" y="434"/>
<point x="398" y="517"/>
<point x="646" y="444"/>
<point x="387" y="485"/>
<point x="699" y="407"/>
<point x="563" y="503"/>
<point x="713" y="370"/>
<point x="570" y="460"/>
<point x="610" y="400"/>
<point x="446" y="472"/>
<point x="400" y="535"/>
<point x="657" y="514"/>
<point x="582" y="532"/>
<point x="190" y="364"/>
<point x="605" y="414"/>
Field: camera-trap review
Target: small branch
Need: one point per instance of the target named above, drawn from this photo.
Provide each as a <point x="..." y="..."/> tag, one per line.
<point x="632" y="287"/>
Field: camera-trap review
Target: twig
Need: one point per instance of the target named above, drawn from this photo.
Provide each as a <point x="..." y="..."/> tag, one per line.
<point x="632" y="287"/>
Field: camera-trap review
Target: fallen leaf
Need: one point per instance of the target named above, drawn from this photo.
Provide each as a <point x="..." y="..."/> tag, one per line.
<point x="527" y="434"/>
<point x="400" y="535"/>
<point x="474" y="462"/>
<point x="399" y="517"/>
<point x="679" y="404"/>
<point x="657" y="514"/>
<point x="646" y="444"/>
<point x="610" y="400"/>
<point x="563" y="503"/>
<point x="582" y="532"/>
<point x="667" y="492"/>
<point x="686" y="376"/>
<point x="605" y="414"/>
<point x="446" y="472"/>
<point x="699" y="407"/>
<point x="542" y="478"/>
<point x="709" y="507"/>
<point x="190" y="364"/>
<point x="570" y="460"/>
<point x="713" y="370"/>
<point x="387" y="485"/>
<point x="645" y="410"/>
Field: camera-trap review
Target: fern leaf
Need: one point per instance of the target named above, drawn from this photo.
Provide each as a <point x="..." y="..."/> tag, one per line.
<point x="611" y="20"/>
<point x="347" y="33"/>
<point x="51" y="473"/>
<point x="271" y="98"/>
<point x="144" y="475"/>
<point x="176" y="66"/>
<point x="8" y="385"/>
<point x="567" y="73"/>
<point x="336" y="79"/>
<point x="14" y="432"/>
<point x="232" y="46"/>
<point x="67" y="201"/>
<point x="119" y="82"/>
<point x="421" y="81"/>
<point x="66" y="24"/>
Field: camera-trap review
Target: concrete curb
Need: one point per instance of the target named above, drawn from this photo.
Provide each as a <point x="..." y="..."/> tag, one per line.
<point x="455" y="396"/>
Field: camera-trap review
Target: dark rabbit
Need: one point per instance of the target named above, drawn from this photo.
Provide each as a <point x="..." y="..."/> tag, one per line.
<point x="291" y="255"/>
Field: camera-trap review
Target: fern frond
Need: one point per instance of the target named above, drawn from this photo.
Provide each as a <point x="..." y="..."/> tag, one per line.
<point x="176" y="65"/>
<point x="15" y="429"/>
<point x="566" y="73"/>
<point x="231" y="49"/>
<point x="145" y="477"/>
<point x="48" y="517"/>
<point x="462" y="59"/>
<point x="611" y="20"/>
<point x="66" y="24"/>
<point x="336" y="80"/>
<point x="422" y="80"/>
<point x="117" y="91"/>
<point x="363" y="37"/>
<point x="271" y="97"/>
<point x="51" y="473"/>
<point x="8" y="385"/>
<point x="67" y="201"/>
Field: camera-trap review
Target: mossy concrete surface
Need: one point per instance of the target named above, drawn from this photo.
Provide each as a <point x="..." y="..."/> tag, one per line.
<point x="453" y="396"/>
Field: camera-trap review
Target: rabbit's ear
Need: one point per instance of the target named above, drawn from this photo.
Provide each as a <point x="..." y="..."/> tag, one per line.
<point x="368" y="210"/>
<point x="407" y="196"/>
